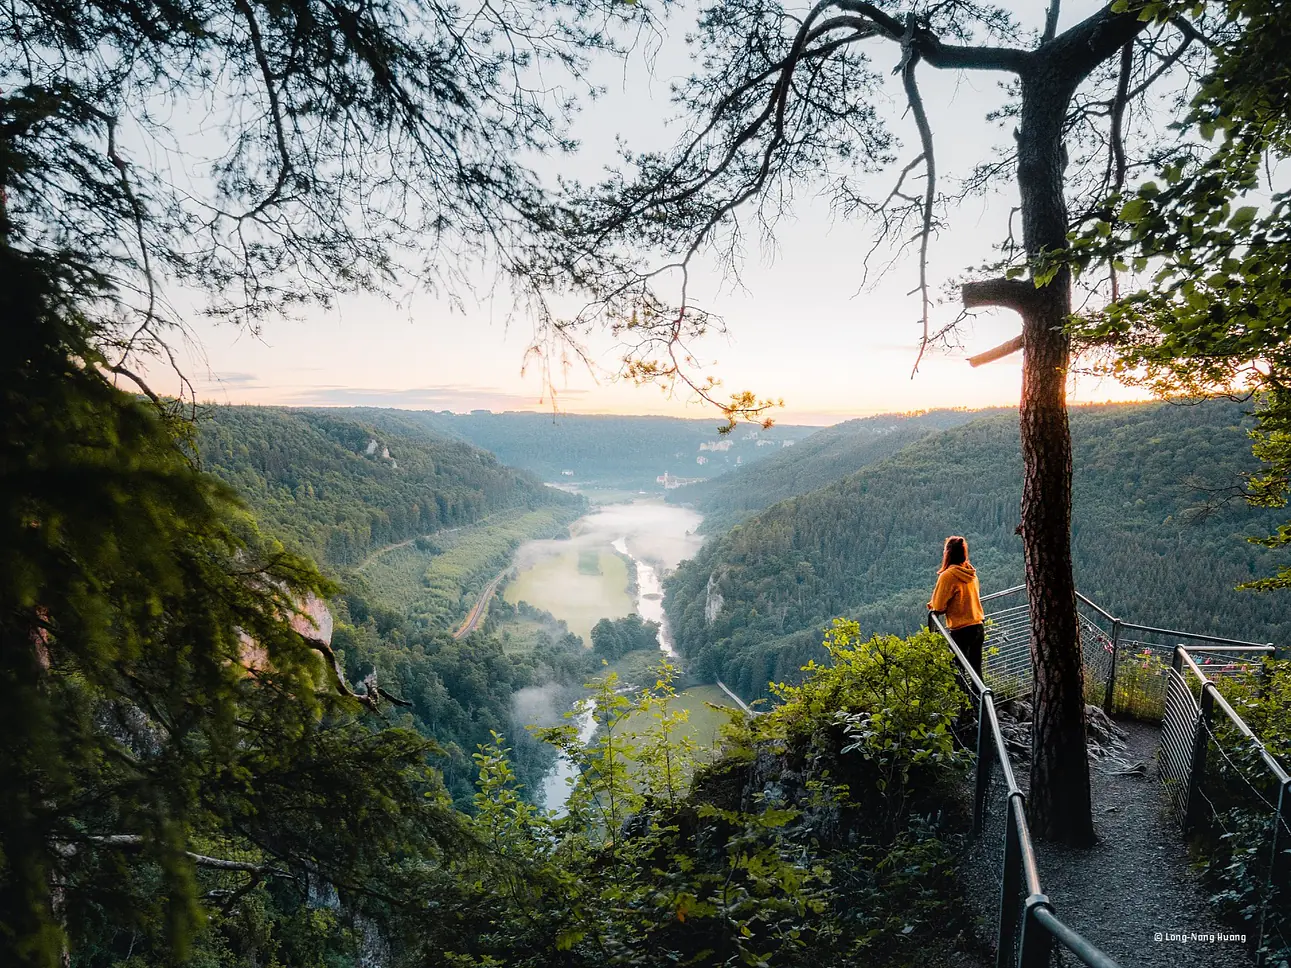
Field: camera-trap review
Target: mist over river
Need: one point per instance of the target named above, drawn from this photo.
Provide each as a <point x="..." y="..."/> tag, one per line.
<point x="584" y="578"/>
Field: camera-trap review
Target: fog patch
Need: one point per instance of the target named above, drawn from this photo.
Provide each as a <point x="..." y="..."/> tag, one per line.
<point x="543" y="705"/>
<point x="663" y="534"/>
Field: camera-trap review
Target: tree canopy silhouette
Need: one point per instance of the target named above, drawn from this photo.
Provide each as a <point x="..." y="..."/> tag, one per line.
<point x="270" y="155"/>
<point x="784" y="98"/>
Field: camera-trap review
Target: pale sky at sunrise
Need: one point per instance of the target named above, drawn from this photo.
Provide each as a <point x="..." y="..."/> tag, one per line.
<point x="799" y="327"/>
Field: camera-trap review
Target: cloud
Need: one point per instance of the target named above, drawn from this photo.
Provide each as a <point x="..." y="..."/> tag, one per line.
<point x="445" y="397"/>
<point x="233" y="380"/>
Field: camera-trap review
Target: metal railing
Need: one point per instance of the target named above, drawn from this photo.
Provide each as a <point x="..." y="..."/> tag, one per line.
<point x="1229" y="791"/>
<point x="1027" y="927"/>
<point x="1223" y="784"/>
<point x="1124" y="662"/>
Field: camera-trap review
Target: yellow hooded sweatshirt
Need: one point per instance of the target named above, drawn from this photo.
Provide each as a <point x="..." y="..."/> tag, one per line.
<point x="957" y="595"/>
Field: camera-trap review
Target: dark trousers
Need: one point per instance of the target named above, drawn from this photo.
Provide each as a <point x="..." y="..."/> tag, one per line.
<point x="970" y="640"/>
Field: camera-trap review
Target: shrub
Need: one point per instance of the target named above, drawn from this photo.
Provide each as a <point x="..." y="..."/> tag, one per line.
<point x="884" y="710"/>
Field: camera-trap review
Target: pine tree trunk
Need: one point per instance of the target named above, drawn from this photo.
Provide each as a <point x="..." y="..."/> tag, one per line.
<point x="1058" y="805"/>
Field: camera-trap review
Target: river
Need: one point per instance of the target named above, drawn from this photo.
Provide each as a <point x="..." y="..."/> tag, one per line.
<point x="655" y="536"/>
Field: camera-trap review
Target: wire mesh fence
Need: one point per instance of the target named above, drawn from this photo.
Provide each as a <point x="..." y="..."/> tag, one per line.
<point x="1230" y="796"/>
<point x="1178" y="732"/>
<point x="1006" y="661"/>
<point x="1124" y="663"/>
<point x="1223" y="787"/>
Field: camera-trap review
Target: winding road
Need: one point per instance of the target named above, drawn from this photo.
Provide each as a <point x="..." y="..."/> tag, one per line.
<point x="407" y="541"/>
<point x="482" y="606"/>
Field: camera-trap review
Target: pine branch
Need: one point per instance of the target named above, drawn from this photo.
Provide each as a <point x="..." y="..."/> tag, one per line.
<point x="132" y="843"/>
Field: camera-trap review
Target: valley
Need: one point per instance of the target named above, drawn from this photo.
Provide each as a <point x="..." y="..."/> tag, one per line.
<point x="746" y="567"/>
<point x="610" y="567"/>
<point x="484" y="619"/>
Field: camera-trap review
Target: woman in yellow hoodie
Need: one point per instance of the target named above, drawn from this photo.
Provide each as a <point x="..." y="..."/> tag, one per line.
<point x="958" y="598"/>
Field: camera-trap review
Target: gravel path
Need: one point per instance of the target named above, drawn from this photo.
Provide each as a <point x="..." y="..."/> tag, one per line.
<point x="1136" y="882"/>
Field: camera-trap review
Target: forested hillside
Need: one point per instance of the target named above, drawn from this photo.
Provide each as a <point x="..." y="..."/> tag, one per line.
<point x="460" y="692"/>
<point x="817" y="460"/>
<point x="601" y="449"/>
<point x="1154" y="539"/>
<point x="338" y="489"/>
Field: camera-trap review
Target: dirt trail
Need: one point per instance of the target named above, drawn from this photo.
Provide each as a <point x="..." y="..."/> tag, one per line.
<point x="1136" y="883"/>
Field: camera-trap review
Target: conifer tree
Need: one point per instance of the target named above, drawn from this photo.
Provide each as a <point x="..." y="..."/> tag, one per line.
<point x="785" y="100"/>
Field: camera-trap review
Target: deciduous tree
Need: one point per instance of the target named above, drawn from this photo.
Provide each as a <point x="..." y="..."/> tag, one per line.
<point x="1214" y="317"/>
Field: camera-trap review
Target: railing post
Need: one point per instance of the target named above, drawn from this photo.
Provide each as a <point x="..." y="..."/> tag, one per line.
<point x="985" y="752"/>
<point x="1109" y="697"/>
<point x="1036" y="940"/>
<point x="1010" y="890"/>
<point x="1278" y="859"/>
<point x="1197" y="767"/>
<point x="1176" y="660"/>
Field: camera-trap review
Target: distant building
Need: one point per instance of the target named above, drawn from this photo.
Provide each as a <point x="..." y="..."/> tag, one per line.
<point x="716" y="445"/>
<point x="670" y="483"/>
<point x="701" y="460"/>
<point x="567" y="473"/>
<point x="787" y="443"/>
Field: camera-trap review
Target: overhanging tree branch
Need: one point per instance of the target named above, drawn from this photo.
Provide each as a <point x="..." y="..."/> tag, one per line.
<point x="1117" y="139"/>
<point x="276" y="119"/>
<point x="134" y="843"/>
<point x="1071" y="56"/>
<point x="937" y="53"/>
<point x="375" y="694"/>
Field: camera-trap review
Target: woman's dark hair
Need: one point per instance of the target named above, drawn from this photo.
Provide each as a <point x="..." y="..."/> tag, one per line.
<point x="955" y="553"/>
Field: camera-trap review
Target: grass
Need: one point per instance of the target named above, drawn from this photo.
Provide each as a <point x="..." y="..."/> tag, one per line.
<point x="520" y="635"/>
<point x="440" y="583"/>
<point x="559" y="585"/>
<point x="705" y="723"/>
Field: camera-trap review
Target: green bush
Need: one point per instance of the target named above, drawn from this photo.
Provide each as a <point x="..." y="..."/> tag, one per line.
<point x="737" y="868"/>
<point x="886" y="706"/>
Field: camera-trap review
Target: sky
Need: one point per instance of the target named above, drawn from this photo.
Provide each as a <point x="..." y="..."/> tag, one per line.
<point x="801" y="325"/>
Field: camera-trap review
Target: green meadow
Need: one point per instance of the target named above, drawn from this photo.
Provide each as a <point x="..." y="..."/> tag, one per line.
<point x="577" y="587"/>
<point x="440" y="579"/>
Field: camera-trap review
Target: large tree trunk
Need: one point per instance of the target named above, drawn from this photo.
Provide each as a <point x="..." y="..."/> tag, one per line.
<point x="1059" y="802"/>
